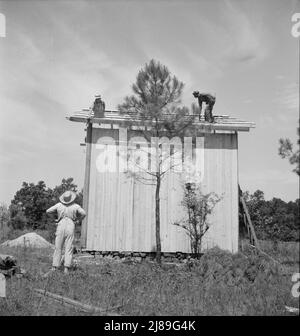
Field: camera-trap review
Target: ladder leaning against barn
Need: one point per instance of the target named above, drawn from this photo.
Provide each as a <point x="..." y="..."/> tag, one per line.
<point x="247" y="219"/>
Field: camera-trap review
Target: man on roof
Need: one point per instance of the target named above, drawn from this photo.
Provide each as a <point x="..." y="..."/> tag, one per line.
<point x="209" y="100"/>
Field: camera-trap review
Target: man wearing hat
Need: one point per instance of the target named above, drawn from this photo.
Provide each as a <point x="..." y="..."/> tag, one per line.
<point x="68" y="211"/>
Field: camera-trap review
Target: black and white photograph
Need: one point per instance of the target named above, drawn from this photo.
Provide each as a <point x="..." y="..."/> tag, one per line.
<point x="149" y="160"/>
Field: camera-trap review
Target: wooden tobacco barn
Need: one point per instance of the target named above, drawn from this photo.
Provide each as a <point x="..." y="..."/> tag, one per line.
<point x="121" y="209"/>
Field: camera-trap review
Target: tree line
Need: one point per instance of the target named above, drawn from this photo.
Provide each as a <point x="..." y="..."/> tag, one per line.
<point x="274" y="219"/>
<point x="28" y="207"/>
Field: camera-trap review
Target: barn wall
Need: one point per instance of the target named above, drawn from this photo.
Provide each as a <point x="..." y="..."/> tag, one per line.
<point x="121" y="211"/>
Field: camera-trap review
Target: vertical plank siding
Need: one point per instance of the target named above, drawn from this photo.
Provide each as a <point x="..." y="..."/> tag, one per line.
<point x="121" y="210"/>
<point x="86" y="190"/>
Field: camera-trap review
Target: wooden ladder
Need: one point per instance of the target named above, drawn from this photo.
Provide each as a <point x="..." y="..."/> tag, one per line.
<point x="247" y="220"/>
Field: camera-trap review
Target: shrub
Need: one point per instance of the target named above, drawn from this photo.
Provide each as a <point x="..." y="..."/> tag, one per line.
<point x="275" y="219"/>
<point x="237" y="269"/>
<point x="4" y="219"/>
<point x="198" y="206"/>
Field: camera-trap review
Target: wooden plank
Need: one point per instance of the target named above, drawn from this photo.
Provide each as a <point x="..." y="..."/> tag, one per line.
<point x="211" y="184"/>
<point x="117" y="114"/>
<point x="253" y="234"/>
<point x="114" y="224"/>
<point x="206" y="127"/>
<point x="124" y="117"/>
<point x="222" y="179"/>
<point x="76" y="304"/>
<point x="224" y="171"/>
<point x="86" y="184"/>
<point x="234" y="194"/>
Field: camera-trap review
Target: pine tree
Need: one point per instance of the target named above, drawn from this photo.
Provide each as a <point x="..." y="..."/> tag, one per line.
<point x="155" y="105"/>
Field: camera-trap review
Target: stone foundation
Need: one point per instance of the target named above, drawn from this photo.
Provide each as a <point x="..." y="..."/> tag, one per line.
<point x="148" y="256"/>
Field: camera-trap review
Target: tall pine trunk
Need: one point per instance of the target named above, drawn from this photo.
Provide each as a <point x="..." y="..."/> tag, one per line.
<point x="157" y="218"/>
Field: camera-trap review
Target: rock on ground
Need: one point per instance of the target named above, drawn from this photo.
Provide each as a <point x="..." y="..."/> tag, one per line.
<point x="28" y="240"/>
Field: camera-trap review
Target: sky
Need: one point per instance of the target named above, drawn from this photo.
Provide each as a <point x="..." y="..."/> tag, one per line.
<point x="57" y="55"/>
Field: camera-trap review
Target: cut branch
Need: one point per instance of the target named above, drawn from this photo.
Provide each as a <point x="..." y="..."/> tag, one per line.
<point x="66" y="301"/>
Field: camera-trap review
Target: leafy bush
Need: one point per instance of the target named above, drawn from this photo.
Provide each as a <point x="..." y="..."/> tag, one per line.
<point x="27" y="211"/>
<point x="4" y="219"/>
<point x="234" y="269"/>
<point x="28" y="207"/>
<point x="4" y="215"/>
<point x="275" y="219"/>
<point x="198" y="206"/>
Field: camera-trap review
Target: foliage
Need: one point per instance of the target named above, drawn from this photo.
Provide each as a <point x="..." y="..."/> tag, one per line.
<point x="156" y="99"/>
<point x="28" y="207"/>
<point x="4" y="219"/>
<point x="4" y="215"/>
<point x="274" y="219"/>
<point x="286" y="151"/>
<point x="18" y="220"/>
<point x="155" y="102"/>
<point x="199" y="206"/>
<point x="67" y="184"/>
<point x="220" y="283"/>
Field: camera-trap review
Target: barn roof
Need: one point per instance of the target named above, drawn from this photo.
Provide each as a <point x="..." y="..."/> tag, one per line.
<point x="222" y="122"/>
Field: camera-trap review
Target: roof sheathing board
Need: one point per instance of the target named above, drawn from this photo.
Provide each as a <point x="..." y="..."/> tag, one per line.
<point x="223" y="122"/>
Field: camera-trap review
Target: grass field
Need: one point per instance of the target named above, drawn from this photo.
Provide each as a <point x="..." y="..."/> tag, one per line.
<point x="219" y="283"/>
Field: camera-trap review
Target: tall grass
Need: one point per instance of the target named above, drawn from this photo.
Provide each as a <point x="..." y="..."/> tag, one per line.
<point x="219" y="283"/>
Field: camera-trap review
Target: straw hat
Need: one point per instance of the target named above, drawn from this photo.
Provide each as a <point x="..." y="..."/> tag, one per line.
<point x="67" y="197"/>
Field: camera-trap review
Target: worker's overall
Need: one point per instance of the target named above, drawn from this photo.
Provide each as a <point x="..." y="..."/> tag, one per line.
<point x="67" y="212"/>
<point x="64" y="235"/>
